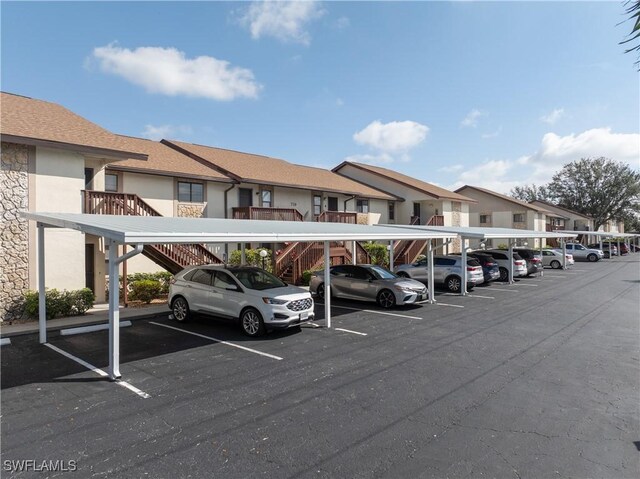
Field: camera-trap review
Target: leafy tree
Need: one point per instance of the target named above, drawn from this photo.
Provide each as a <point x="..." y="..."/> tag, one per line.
<point x="598" y="187"/>
<point x="633" y="10"/>
<point x="530" y="193"/>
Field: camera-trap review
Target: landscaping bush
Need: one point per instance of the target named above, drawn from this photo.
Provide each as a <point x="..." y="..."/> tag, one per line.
<point x="253" y="258"/>
<point x="378" y="253"/>
<point x="164" y="277"/>
<point x="503" y="246"/>
<point x="60" y="303"/>
<point x="145" y="290"/>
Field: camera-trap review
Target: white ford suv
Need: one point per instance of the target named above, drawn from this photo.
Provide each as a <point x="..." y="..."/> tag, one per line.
<point x="259" y="299"/>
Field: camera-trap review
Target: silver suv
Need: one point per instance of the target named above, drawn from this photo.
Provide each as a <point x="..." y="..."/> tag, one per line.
<point x="579" y="252"/>
<point x="446" y="271"/>
<point x="259" y="299"/>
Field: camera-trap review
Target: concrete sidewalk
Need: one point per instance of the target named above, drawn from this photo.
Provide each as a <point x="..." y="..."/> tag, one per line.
<point x="96" y="315"/>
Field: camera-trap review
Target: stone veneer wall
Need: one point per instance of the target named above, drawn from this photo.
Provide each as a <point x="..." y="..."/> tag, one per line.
<point x="456" y="216"/>
<point x="14" y="230"/>
<point x="191" y="210"/>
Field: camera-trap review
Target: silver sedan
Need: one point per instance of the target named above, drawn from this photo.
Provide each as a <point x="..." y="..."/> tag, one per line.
<point x="369" y="283"/>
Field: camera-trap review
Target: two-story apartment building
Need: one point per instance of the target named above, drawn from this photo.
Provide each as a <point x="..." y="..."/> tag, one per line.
<point x="493" y="209"/>
<point x="47" y="153"/>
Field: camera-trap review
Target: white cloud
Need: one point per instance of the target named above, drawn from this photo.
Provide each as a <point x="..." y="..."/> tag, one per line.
<point x="451" y="169"/>
<point x="555" y="151"/>
<point x="342" y="23"/>
<point x="395" y="136"/>
<point x="472" y="118"/>
<point x="379" y="159"/>
<point x="495" y="134"/>
<point x="285" y="21"/>
<point x="553" y="117"/>
<point x="167" y="71"/>
<point x="159" y="132"/>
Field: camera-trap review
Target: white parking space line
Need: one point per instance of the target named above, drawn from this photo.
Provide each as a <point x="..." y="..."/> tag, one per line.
<point x="530" y="285"/>
<point x="450" y="305"/>
<point x="373" y="311"/>
<point x="211" y="338"/>
<point x="352" y="332"/>
<point x="5" y="342"/>
<point x="480" y="296"/>
<point x="99" y="371"/>
<point x="507" y="290"/>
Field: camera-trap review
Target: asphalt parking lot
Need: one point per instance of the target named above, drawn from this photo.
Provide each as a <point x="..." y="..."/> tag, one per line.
<point x="535" y="379"/>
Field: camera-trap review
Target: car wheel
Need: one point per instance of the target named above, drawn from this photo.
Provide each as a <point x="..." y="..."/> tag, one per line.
<point x="504" y="274"/>
<point x="555" y="264"/>
<point x="386" y="299"/>
<point x="180" y="309"/>
<point x="252" y="323"/>
<point x="320" y="290"/>
<point x="592" y="257"/>
<point x="402" y="274"/>
<point x="453" y="284"/>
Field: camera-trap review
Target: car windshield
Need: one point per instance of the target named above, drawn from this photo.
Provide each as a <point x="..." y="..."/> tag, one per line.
<point x="255" y="278"/>
<point x="381" y="273"/>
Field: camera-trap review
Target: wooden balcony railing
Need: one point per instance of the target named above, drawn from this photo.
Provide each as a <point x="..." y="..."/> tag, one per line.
<point x="269" y="214"/>
<point x="108" y="203"/>
<point x="436" y="220"/>
<point x="338" y="217"/>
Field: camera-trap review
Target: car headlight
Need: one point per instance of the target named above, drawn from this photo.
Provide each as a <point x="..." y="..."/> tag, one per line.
<point x="401" y="289"/>
<point x="274" y="301"/>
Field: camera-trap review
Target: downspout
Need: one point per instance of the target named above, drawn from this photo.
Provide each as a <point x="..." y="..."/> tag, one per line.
<point x="347" y="200"/>
<point x="226" y="215"/>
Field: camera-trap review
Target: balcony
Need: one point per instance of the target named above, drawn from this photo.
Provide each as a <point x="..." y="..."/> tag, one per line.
<point x="338" y="217"/>
<point x="268" y="214"/>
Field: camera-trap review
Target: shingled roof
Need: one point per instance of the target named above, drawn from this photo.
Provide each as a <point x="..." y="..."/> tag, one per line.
<point x="166" y="161"/>
<point x="524" y="204"/>
<point x="250" y="168"/>
<point x="31" y="121"/>
<point x="419" y="185"/>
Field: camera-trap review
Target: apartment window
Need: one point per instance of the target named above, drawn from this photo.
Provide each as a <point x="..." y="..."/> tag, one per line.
<point x="392" y="210"/>
<point x="266" y="197"/>
<point x="110" y="182"/>
<point x="317" y="205"/>
<point x="245" y="197"/>
<point x="485" y="219"/>
<point x="362" y="206"/>
<point x="518" y="218"/>
<point x="190" y="192"/>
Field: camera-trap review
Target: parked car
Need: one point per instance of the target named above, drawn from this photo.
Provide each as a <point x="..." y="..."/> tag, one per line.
<point x="533" y="258"/>
<point x="624" y="247"/>
<point x="490" y="268"/>
<point x="370" y="283"/>
<point x="501" y="257"/>
<point x="580" y="252"/>
<point x="608" y="249"/>
<point x="260" y="300"/>
<point x="553" y="258"/>
<point x="447" y="271"/>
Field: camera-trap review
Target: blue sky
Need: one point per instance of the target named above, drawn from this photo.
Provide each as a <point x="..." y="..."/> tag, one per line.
<point x="492" y="94"/>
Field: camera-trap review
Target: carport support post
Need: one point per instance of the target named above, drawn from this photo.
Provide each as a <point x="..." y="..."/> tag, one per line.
<point x="601" y="246"/>
<point x="391" y="255"/>
<point x="564" y="254"/>
<point x="327" y="285"/>
<point x="42" y="305"/>
<point x="541" y="258"/>
<point x="619" y="250"/>
<point x="354" y="253"/>
<point x="430" y="279"/>
<point x="114" y="312"/>
<point x="243" y="256"/>
<point x="511" y="261"/>
<point x="463" y="286"/>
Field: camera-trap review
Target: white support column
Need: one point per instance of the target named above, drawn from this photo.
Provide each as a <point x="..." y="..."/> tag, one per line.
<point x="391" y="255"/>
<point x="541" y="258"/>
<point x="601" y="246"/>
<point x="430" y="281"/>
<point x="243" y="255"/>
<point x="511" y="281"/>
<point x="564" y="254"/>
<point x="327" y="285"/>
<point x="42" y="305"/>
<point x="619" y="250"/>
<point x="354" y="253"/>
<point x="114" y="305"/>
<point x="463" y="286"/>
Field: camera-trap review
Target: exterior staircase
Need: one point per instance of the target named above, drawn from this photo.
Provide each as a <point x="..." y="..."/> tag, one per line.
<point x="407" y="251"/>
<point x="172" y="257"/>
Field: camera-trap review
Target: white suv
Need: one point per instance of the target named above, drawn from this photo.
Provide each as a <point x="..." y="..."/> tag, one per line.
<point x="259" y="299"/>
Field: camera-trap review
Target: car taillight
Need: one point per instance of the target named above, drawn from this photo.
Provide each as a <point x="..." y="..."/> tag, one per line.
<point x="536" y="260"/>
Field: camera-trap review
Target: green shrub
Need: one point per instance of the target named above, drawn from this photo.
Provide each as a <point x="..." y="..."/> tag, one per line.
<point x="252" y="258"/>
<point x="59" y="303"/>
<point x="164" y="277"/>
<point x="378" y="253"/>
<point x="503" y="246"/>
<point x="145" y="290"/>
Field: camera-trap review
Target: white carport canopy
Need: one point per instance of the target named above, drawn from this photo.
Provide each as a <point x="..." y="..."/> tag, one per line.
<point x="141" y="230"/>
<point x="479" y="233"/>
<point x="607" y="234"/>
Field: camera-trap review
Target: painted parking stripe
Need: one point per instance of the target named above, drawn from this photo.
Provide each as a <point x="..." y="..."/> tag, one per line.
<point x="530" y="285"/>
<point x="352" y="332"/>
<point x="5" y="342"/>
<point x="99" y="371"/>
<point x="91" y="329"/>
<point x="450" y="305"/>
<point x="373" y="311"/>
<point x="507" y="290"/>
<point x="468" y="295"/>
<point x="211" y="338"/>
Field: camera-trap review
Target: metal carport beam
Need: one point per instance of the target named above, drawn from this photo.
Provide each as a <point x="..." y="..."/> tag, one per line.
<point x="114" y="305"/>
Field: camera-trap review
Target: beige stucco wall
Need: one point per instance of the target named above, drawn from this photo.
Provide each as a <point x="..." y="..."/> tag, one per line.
<point x="58" y="180"/>
<point x="158" y="191"/>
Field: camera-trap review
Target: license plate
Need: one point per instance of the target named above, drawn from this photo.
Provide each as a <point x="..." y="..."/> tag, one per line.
<point x="422" y="297"/>
<point x="304" y="315"/>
